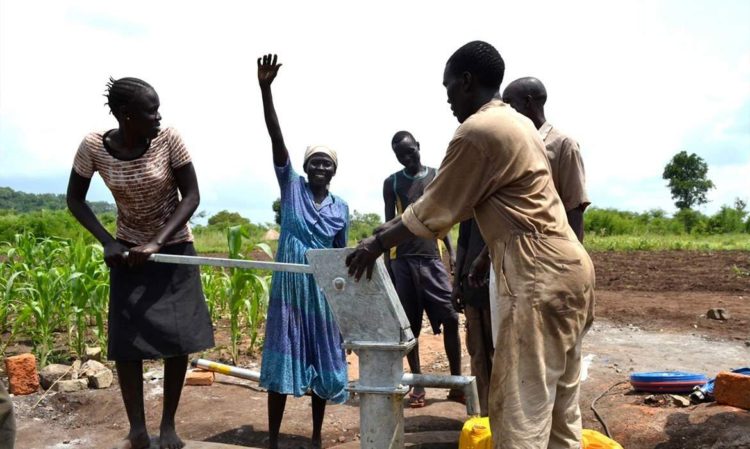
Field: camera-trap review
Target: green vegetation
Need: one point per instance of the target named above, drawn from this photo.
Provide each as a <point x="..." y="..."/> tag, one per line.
<point x="54" y="293"/>
<point x="50" y="288"/>
<point x="54" y="283"/>
<point x="657" y="242"/>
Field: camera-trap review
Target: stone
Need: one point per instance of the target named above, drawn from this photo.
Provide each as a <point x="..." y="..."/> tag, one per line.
<point x="23" y="377"/>
<point x="91" y="367"/>
<point x="718" y="314"/>
<point x="76" y="371"/>
<point x="680" y="401"/>
<point x="72" y="385"/>
<point x="93" y="353"/>
<point x="50" y="373"/>
<point x="199" y="377"/>
<point x="732" y="389"/>
<point x="102" y="379"/>
<point x="153" y="375"/>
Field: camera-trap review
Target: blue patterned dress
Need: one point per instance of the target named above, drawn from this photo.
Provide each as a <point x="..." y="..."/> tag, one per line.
<point x="303" y="349"/>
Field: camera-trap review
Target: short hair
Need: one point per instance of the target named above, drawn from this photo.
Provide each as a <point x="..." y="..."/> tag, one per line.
<point x="401" y="135"/>
<point x="123" y="91"/>
<point x="480" y="59"/>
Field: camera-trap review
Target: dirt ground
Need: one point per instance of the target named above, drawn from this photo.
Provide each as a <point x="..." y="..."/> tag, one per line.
<point x="651" y="310"/>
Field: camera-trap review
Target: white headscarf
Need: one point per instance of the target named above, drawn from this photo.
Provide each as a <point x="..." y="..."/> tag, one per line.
<point x="322" y="149"/>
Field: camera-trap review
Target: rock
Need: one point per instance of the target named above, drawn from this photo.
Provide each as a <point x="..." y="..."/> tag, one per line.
<point x="22" y="375"/>
<point x="680" y="401"/>
<point x="718" y="314"/>
<point x="732" y="389"/>
<point x="76" y="371"/>
<point x="199" y="377"/>
<point x="94" y="353"/>
<point x="342" y="439"/>
<point x="153" y="375"/>
<point x="50" y="373"/>
<point x="91" y="367"/>
<point x="650" y="399"/>
<point x="69" y="386"/>
<point x="102" y="379"/>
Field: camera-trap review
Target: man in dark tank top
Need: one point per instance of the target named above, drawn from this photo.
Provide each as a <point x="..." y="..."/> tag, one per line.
<point x="419" y="275"/>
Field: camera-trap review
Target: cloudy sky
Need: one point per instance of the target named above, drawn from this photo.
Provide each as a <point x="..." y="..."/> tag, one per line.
<point x="633" y="81"/>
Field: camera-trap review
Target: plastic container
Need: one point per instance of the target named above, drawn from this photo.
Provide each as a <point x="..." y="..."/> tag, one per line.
<point x="591" y="439"/>
<point x="476" y="434"/>
<point x="667" y="381"/>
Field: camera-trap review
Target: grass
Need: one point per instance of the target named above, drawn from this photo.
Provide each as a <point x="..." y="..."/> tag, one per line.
<point x="646" y="242"/>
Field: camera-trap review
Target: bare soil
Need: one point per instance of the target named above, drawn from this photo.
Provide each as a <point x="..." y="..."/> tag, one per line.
<point x="651" y="315"/>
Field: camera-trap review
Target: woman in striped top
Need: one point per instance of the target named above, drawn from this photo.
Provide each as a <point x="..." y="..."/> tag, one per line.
<point x="156" y="311"/>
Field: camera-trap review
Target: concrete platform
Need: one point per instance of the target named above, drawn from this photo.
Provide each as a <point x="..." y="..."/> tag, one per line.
<point x="201" y="445"/>
<point x="443" y="439"/>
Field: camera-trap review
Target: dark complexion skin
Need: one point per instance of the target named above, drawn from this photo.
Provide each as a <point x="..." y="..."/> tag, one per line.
<point x="527" y="96"/>
<point x="138" y="124"/>
<point x="407" y="153"/>
<point x="319" y="169"/>
<point x="466" y="96"/>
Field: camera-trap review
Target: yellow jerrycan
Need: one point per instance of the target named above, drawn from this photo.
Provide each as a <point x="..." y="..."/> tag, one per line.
<point x="591" y="439"/>
<point x="476" y="434"/>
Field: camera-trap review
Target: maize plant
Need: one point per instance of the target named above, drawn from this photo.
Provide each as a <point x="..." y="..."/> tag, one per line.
<point x="247" y="294"/>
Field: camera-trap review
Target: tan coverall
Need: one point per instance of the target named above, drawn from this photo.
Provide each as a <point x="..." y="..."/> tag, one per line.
<point x="496" y="168"/>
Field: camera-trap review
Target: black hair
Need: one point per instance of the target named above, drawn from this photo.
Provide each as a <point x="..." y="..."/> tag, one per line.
<point x="480" y="59"/>
<point x="123" y="91"/>
<point x="401" y="135"/>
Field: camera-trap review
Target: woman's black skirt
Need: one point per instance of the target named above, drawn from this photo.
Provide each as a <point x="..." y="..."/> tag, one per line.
<point x="157" y="310"/>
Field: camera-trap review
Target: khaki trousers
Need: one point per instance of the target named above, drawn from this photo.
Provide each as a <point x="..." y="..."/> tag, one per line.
<point x="546" y="286"/>
<point x="480" y="345"/>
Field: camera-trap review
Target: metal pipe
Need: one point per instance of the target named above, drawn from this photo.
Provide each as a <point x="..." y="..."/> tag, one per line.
<point x="468" y="384"/>
<point x="230" y="263"/>
<point x="226" y="369"/>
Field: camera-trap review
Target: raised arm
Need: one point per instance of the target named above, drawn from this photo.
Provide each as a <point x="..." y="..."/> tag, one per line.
<point x="267" y="71"/>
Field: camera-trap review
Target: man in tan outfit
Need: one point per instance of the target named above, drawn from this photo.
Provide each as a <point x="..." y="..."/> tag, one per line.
<point x="528" y="96"/>
<point x="496" y="169"/>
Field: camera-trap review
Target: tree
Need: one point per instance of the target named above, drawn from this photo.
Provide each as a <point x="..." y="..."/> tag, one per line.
<point x="362" y="225"/>
<point x="687" y="180"/>
<point x="225" y="219"/>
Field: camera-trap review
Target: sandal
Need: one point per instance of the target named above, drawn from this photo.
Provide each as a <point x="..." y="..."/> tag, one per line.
<point x="417" y="400"/>
<point x="457" y="396"/>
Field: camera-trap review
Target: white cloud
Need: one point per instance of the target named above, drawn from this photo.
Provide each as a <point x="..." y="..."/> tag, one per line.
<point x="628" y="80"/>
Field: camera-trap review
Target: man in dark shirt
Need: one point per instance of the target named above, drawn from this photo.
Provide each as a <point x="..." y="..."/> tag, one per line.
<point x="420" y="278"/>
<point x="475" y="304"/>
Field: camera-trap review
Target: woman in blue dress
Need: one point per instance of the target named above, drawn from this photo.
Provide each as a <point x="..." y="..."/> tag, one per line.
<point x="303" y="350"/>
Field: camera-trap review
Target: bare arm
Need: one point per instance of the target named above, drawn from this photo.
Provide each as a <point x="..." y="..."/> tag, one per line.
<point x="187" y="183"/>
<point x="78" y="187"/>
<point x="267" y="71"/>
<point x="575" y="220"/>
<point x="451" y="255"/>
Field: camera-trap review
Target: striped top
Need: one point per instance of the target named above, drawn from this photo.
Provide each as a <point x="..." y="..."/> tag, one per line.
<point x="145" y="188"/>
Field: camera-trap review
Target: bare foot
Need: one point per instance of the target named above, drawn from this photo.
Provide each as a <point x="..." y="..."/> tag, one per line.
<point x="168" y="439"/>
<point x="135" y="440"/>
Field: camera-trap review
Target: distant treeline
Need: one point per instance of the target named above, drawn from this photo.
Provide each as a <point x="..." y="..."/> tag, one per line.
<point x="22" y="202"/>
<point x="46" y="215"/>
<point x="728" y="220"/>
